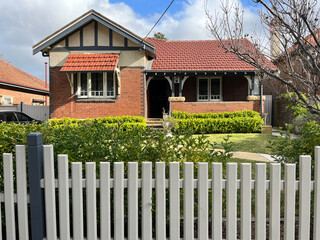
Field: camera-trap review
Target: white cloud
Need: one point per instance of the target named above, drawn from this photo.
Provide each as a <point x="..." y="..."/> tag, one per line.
<point x="24" y="23"/>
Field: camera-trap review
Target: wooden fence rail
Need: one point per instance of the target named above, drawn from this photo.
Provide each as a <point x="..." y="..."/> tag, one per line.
<point x="134" y="201"/>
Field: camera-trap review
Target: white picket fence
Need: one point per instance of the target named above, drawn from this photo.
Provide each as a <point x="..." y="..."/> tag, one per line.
<point x="116" y="208"/>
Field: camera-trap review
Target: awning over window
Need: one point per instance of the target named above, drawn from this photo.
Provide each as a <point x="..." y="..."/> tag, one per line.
<point x="82" y="62"/>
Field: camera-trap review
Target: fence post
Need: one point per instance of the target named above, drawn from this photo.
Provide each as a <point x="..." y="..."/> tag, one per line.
<point x="35" y="170"/>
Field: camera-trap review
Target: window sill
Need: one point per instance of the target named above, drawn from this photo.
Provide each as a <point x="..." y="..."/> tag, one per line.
<point x="96" y="100"/>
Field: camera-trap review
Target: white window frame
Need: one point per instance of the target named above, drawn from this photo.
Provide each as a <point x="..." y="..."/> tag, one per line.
<point x="209" y="89"/>
<point x="3" y="97"/>
<point x="89" y="85"/>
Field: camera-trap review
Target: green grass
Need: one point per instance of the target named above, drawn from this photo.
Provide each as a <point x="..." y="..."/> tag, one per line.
<point x="245" y="142"/>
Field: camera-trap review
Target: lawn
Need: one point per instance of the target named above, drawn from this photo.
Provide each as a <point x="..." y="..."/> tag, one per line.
<point x="245" y="142"/>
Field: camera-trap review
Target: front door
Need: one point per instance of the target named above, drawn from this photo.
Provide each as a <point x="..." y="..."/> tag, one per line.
<point x="158" y="94"/>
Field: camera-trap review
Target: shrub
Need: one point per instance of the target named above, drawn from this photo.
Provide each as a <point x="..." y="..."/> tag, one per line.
<point x="287" y="150"/>
<point x="221" y="125"/>
<point x="187" y="115"/>
<point x="140" y="121"/>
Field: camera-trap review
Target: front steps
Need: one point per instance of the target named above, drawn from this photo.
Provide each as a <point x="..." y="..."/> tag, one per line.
<point x="154" y="123"/>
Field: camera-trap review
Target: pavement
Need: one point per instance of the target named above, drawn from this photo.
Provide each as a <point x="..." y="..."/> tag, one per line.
<point x="260" y="157"/>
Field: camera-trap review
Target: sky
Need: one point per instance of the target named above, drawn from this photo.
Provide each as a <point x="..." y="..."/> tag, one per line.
<point x="24" y="23"/>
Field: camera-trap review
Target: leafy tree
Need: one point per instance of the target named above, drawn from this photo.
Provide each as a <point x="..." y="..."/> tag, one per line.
<point x="295" y="44"/>
<point x="160" y="35"/>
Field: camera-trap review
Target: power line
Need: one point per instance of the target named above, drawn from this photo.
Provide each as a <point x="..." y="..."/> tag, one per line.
<point x="158" y="21"/>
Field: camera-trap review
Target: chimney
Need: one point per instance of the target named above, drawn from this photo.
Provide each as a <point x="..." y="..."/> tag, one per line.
<point x="275" y="44"/>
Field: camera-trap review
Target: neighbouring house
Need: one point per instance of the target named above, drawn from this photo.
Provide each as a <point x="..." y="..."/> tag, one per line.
<point x="17" y="86"/>
<point x="99" y="68"/>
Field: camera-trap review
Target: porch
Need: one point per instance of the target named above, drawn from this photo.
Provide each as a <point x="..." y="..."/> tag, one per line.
<point x="202" y="92"/>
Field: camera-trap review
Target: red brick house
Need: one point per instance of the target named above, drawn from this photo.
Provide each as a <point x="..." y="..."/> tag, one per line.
<point x="99" y="68"/>
<point x="17" y="86"/>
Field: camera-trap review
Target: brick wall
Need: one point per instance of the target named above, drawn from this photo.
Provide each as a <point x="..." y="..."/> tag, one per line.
<point x="235" y="88"/>
<point x="20" y="96"/>
<point x="129" y="102"/>
<point x="198" y="107"/>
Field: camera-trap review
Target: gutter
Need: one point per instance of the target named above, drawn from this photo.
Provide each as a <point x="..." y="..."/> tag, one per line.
<point x="25" y="88"/>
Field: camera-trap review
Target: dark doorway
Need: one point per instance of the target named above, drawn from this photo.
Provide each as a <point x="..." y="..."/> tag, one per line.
<point x="158" y="94"/>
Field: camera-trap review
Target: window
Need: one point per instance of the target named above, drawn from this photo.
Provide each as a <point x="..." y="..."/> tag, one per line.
<point x="6" y="100"/>
<point x="209" y="89"/>
<point x="94" y="85"/>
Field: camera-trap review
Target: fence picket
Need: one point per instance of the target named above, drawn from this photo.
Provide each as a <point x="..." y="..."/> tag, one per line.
<point x="64" y="214"/>
<point x="231" y="190"/>
<point x="304" y="196"/>
<point x="160" y="184"/>
<point x="188" y="201"/>
<point x="146" y="201"/>
<point x="49" y="190"/>
<point x="105" y="211"/>
<point x="216" y="201"/>
<point x="245" y="201"/>
<point x="133" y="200"/>
<point x="8" y="196"/>
<point x="203" y="210"/>
<point x="91" y="197"/>
<point x="21" y="175"/>
<point x="174" y="201"/>
<point x="316" y="197"/>
<point x="161" y="201"/>
<point x="289" y="201"/>
<point x="77" y="202"/>
<point x="275" y="197"/>
<point x="260" y="201"/>
<point x="118" y="201"/>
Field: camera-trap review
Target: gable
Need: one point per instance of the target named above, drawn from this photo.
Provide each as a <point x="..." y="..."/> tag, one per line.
<point x="93" y="31"/>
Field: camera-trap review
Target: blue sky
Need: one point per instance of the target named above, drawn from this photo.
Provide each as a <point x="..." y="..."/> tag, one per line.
<point x="26" y="22"/>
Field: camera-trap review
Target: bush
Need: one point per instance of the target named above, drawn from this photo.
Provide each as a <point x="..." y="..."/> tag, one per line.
<point x="287" y="150"/>
<point x="187" y="115"/>
<point x="221" y="125"/>
<point x="140" y="121"/>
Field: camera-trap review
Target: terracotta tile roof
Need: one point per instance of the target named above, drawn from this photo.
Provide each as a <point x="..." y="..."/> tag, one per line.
<point x="205" y="55"/>
<point x="9" y="74"/>
<point x="82" y="62"/>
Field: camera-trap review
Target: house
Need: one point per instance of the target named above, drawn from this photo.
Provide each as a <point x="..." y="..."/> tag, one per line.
<point x="99" y="68"/>
<point x="17" y="86"/>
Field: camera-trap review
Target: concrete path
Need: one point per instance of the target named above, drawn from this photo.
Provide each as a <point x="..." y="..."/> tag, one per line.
<point x="259" y="157"/>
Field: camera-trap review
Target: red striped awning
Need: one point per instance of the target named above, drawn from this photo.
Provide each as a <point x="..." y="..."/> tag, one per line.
<point x="82" y="62"/>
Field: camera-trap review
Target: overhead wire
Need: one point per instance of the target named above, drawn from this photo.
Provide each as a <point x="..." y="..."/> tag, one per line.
<point x="158" y="21"/>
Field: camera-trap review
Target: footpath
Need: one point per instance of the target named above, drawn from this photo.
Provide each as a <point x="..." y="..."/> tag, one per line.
<point x="259" y="157"/>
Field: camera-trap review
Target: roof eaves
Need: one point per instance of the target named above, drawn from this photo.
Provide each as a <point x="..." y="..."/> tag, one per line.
<point x="25" y="88"/>
<point x="82" y="20"/>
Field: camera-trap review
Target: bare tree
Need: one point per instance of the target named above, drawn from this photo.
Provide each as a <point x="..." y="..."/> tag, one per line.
<point x="294" y="46"/>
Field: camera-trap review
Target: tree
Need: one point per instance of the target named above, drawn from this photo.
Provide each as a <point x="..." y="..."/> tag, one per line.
<point x="294" y="31"/>
<point x="160" y="35"/>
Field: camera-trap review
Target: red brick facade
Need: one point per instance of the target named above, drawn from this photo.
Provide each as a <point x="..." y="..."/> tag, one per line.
<point x="129" y="102"/>
<point x="21" y="96"/>
<point x="199" y="107"/>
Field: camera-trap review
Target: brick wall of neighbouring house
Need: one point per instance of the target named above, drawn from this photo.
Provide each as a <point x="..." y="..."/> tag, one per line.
<point x="129" y="102"/>
<point x="20" y="96"/>
<point x="198" y="107"/>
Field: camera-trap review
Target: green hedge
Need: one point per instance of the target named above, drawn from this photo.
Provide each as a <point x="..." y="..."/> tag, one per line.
<point x="187" y="115"/>
<point x="236" y="122"/>
<point x="124" y="121"/>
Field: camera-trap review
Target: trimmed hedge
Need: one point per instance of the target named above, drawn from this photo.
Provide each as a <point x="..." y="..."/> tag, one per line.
<point x="187" y="115"/>
<point x="125" y="122"/>
<point x="236" y="122"/>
